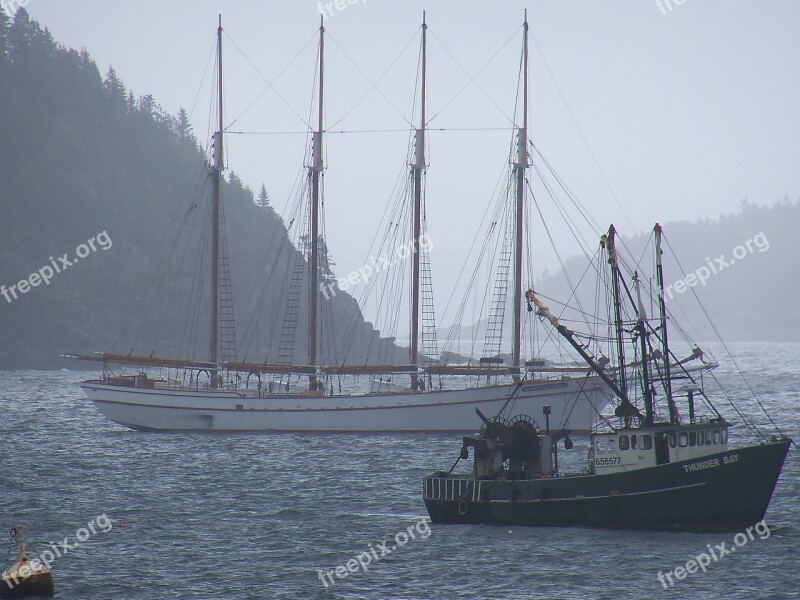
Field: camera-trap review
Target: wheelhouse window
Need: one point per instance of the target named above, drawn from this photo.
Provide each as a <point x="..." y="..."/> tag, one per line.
<point x="645" y="442"/>
<point x="673" y="439"/>
<point x="723" y="436"/>
<point x="708" y="436"/>
<point x="683" y="439"/>
<point x="716" y="436"/>
<point x="624" y="444"/>
<point x="692" y="438"/>
<point x="633" y="442"/>
<point x="600" y="447"/>
<point x="701" y="438"/>
<point x="612" y="445"/>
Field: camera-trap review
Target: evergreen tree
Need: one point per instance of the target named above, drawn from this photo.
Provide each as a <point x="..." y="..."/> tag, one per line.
<point x="5" y="23"/>
<point x="183" y="127"/>
<point x="147" y="105"/>
<point x="115" y="89"/>
<point x="20" y="38"/>
<point x="161" y="116"/>
<point x="234" y="180"/>
<point x="263" y="197"/>
<point x="28" y="42"/>
<point x="86" y="60"/>
<point x="131" y="103"/>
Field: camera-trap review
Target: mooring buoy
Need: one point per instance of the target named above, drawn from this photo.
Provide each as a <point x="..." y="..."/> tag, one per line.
<point x="25" y="578"/>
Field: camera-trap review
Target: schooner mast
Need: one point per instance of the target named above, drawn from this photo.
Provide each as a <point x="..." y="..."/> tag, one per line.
<point x="216" y="177"/>
<point x="520" y="169"/>
<point x="184" y="403"/>
<point x="417" y="167"/>
<point x="314" y="171"/>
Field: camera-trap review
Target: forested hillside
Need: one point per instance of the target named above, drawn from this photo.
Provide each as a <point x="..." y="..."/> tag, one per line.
<point x="80" y="155"/>
<point x="739" y="272"/>
<point x="743" y="269"/>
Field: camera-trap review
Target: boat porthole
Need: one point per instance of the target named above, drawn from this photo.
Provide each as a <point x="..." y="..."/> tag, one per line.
<point x="463" y="507"/>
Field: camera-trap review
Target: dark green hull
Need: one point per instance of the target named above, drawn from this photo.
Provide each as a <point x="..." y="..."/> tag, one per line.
<point x="722" y="494"/>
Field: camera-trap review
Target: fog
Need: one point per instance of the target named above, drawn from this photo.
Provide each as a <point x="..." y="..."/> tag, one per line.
<point x="649" y="113"/>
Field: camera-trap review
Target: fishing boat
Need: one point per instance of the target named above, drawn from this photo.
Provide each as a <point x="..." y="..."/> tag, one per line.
<point x="659" y="462"/>
<point x="427" y="393"/>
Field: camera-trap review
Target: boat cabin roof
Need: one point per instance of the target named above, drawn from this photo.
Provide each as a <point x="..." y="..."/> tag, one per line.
<point x="666" y="428"/>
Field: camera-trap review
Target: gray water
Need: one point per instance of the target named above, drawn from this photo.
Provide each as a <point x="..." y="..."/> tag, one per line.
<point x="254" y="516"/>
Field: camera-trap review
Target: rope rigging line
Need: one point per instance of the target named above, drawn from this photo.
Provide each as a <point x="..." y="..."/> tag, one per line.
<point x="268" y="82"/>
<point x="192" y="319"/>
<point x="329" y="347"/>
<point x="583" y="244"/>
<point x="458" y="319"/>
<point x="640" y="365"/>
<point x="279" y="233"/>
<point x="582" y="210"/>
<point x="168" y="247"/>
<point x="724" y="345"/>
<point x="393" y="210"/>
<point x="557" y="253"/>
<point x="503" y="243"/>
<point x="374" y="85"/>
<point x="291" y="211"/>
<point x="751" y="426"/>
<point x="202" y="79"/>
<point x="500" y="207"/>
<point x="471" y="78"/>
<point x="362" y="131"/>
<point x="580" y="132"/>
<point x="398" y="214"/>
<point x="495" y="192"/>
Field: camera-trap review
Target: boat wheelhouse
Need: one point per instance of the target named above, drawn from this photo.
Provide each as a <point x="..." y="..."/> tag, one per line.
<point x="630" y="449"/>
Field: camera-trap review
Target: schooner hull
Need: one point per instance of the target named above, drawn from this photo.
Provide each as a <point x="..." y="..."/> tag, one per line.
<point x="575" y="402"/>
<point x="730" y="491"/>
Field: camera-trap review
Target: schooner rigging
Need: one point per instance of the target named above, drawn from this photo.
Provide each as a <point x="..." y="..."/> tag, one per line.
<point x="228" y="401"/>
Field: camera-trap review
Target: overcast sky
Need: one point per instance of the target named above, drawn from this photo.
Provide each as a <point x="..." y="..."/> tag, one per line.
<point x="687" y="109"/>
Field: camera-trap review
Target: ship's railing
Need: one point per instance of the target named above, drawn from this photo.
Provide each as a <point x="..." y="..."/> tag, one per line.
<point x="451" y="488"/>
<point x="285" y="369"/>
